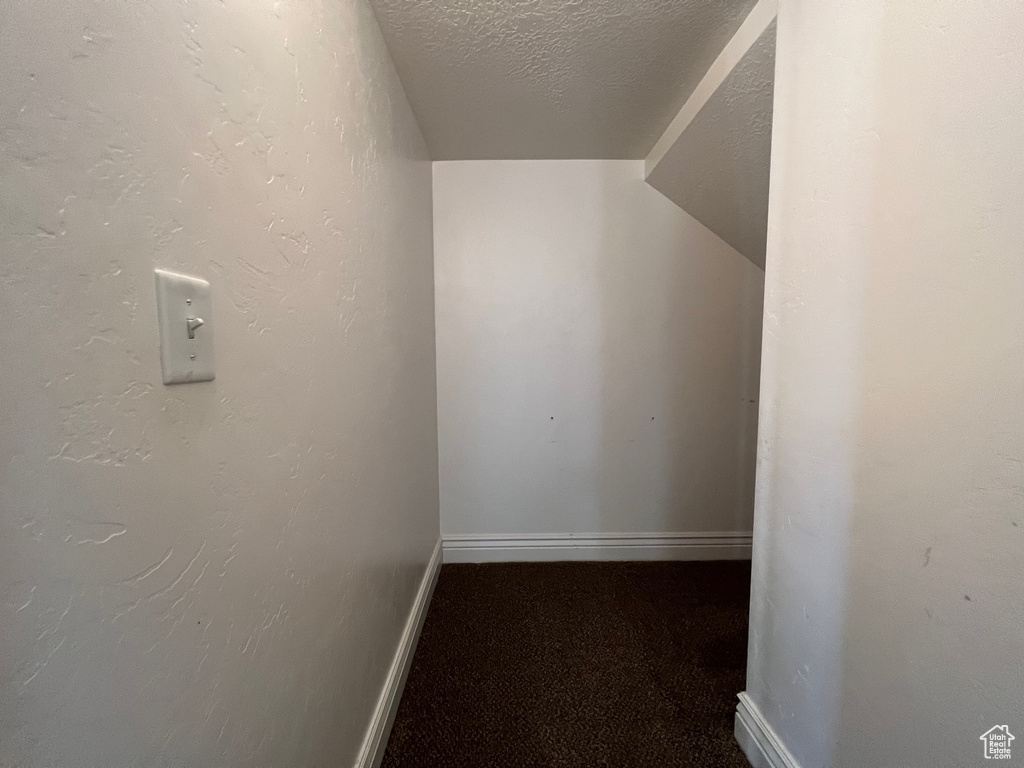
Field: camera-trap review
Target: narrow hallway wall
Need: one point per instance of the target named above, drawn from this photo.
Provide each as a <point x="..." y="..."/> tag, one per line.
<point x="886" y="610"/>
<point x="597" y="355"/>
<point x="212" y="574"/>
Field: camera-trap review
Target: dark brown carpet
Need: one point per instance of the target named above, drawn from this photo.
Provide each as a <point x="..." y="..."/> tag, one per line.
<point x="559" y="665"/>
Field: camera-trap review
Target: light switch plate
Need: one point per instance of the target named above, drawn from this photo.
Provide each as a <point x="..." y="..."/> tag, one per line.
<point x="184" y="309"/>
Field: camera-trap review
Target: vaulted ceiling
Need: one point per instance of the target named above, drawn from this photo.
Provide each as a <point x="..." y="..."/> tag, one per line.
<point x="495" y="79"/>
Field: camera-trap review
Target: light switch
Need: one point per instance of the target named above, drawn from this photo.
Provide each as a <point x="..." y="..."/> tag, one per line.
<point x="185" y="313"/>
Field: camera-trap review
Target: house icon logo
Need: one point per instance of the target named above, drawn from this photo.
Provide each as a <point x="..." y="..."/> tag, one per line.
<point x="997" y="742"/>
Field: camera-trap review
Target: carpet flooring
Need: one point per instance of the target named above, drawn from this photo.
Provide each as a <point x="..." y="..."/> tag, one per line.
<point x="566" y="665"/>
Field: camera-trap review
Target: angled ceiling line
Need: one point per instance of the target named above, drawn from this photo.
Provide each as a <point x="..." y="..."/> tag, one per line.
<point x="549" y="79"/>
<point x="757" y="21"/>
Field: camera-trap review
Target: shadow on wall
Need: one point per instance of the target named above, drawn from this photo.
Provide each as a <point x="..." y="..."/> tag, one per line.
<point x="680" y="324"/>
<point x="598" y="355"/>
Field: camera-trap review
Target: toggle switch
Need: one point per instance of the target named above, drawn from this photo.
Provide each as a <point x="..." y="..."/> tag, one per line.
<point x="184" y="307"/>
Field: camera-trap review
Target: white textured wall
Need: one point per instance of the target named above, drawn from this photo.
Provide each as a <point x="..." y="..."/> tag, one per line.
<point x="597" y="354"/>
<point x="212" y="574"/>
<point x="889" y="526"/>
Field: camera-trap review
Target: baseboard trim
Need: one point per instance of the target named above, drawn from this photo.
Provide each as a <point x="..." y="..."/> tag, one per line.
<point x="505" y="548"/>
<point x="757" y="739"/>
<point x="372" y="751"/>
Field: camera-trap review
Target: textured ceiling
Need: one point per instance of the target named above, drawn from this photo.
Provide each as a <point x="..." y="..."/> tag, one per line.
<point x="495" y="79"/>
<point x="718" y="168"/>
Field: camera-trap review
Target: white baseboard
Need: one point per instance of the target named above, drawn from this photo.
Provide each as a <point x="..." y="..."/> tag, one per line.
<point x="372" y="751"/>
<point x="761" y="745"/>
<point x="505" y="548"/>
